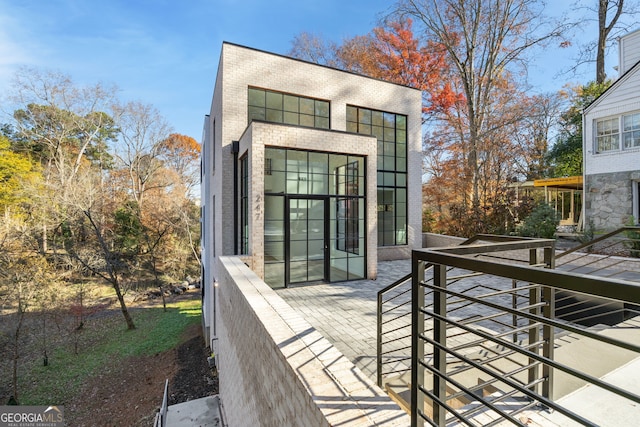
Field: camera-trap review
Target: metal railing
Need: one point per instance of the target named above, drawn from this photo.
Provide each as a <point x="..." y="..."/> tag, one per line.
<point x="623" y="241"/>
<point x="486" y="346"/>
<point x="161" y="416"/>
<point x="615" y="255"/>
<point x="394" y="314"/>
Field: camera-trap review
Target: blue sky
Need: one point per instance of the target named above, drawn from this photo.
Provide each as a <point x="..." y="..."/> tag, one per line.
<point x="165" y="52"/>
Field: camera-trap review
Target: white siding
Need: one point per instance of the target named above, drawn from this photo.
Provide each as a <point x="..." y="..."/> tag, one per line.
<point x="628" y="51"/>
<point x="622" y="98"/>
<point x="609" y="176"/>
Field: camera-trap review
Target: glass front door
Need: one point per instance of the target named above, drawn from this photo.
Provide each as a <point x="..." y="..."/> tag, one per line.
<point x="307" y="238"/>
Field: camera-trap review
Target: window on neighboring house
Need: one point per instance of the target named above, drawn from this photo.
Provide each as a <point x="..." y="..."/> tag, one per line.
<point x="391" y="131"/>
<point x="610" y="131"/>
<point x="279" y="107"/>
<point x="607" y="135"/>
<point x="631" y="130"/>
<point x="244" y="205"/>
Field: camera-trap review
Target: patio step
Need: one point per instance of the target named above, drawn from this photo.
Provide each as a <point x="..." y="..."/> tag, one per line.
<point x="400" y="391"/>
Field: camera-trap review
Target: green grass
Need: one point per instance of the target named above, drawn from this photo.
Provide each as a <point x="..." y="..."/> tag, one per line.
<point x="109" y="342"/>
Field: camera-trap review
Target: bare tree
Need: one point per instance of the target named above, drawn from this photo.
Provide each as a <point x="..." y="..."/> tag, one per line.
<point x="25" y="279"/>
<point x="534" y="133"/>
<point x="484" y="39"/>
<point x="100" y="251"/>
<point x="608" y="10"/>
<point x="610" y="17"/>
<point x="62" y="125"/>
<point x="314" y="48"/>
<point x="142" y="132"/>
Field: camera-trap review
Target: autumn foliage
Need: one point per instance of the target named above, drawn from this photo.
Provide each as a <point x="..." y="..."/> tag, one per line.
<point x="393" y="53"/>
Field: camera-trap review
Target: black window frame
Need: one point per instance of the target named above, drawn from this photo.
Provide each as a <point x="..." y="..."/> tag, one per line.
<point x="389" y="128"/>
<point x="287" y="108"/>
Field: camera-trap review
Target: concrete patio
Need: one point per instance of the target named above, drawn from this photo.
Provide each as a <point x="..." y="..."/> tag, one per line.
<point x="345" y="312"/>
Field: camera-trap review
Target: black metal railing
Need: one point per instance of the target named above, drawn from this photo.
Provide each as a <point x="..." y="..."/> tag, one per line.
<point x="394" y="314"/>
<point x="487" y="347"/>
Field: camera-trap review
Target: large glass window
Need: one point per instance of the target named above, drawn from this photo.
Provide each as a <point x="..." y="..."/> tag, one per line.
<point x="244" y="205"/>
<point x="391" y="131"/>
<point x="281" y="107"/>
<point x="347" y="211"/>
<point x="314" y="216"/>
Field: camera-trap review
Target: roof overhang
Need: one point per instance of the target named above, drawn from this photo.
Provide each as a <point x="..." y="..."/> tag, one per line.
<point x="572" y="182"/>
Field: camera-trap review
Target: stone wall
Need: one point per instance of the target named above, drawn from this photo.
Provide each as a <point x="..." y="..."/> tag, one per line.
<point x="609" y="199"/>
<point x="275" y="369"/>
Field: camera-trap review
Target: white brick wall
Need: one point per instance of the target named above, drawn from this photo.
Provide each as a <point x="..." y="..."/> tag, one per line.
<point x="261" y="134"/>
<point x="241" y="67"/>
<point x="275" y="369"/>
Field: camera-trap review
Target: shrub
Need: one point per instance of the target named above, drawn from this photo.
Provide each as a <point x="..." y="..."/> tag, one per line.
<point x="541" y="222"/>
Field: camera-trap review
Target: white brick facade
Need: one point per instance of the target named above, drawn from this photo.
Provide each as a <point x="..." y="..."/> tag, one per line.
<point x="240" y="68"/>
<point x="277" y="370"/>
<point x="260" y="134"/>
<point x="271" y="373"/>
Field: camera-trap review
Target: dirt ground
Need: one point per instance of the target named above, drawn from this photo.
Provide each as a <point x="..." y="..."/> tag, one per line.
<point x="130" y="393"/>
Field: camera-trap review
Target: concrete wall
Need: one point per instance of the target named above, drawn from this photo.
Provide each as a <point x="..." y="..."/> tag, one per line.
<point x="432" y="240"/>
<point x="275" y="369"/>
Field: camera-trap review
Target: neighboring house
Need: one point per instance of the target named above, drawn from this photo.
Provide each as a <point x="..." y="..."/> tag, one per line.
<point x="309" y="173"/>
<point x="611" y="145"/>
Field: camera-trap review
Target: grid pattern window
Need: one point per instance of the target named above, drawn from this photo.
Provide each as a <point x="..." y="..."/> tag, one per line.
<point x="278" y="107"/>
<point x="631" y="130"/>
<point x="244" y="205"/>
<point x="607" y="135"/>
<point x="347" y="208"/>
<point x="391" y="131"/>
<point x="314" y="216"/>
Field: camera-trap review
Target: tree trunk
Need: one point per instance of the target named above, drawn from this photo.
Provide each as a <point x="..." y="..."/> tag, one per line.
<point x="123" y="305"/>
<point x="603" y="34"/>
<point x="44" y="246"/>
<point x="16" y="349"/>
<point x="601" y="75"/>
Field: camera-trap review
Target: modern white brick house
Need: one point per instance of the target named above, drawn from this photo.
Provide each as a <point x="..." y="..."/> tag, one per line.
<point x="309" y="173"/>
<point x="611" y="138"/>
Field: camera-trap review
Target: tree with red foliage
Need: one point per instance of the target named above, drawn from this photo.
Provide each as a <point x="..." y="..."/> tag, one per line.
<point x="393" y="53"/>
